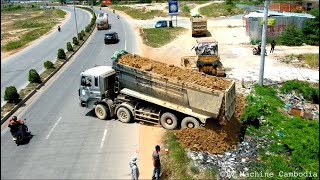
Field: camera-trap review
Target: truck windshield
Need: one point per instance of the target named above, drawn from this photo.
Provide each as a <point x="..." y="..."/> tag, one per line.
<point x="86" y="81"/>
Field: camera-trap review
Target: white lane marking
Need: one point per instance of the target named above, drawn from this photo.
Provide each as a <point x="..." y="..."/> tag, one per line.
<point x="103" y="138"/>
<point x="54" y="126"/>
<point x="125" y="35"/>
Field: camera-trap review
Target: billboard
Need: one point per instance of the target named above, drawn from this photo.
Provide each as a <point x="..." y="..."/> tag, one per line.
<point x="173" y="7"/>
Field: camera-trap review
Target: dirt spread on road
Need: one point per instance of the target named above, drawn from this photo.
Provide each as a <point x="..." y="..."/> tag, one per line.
<point x="214" y="137"/>
<point x="183" y="75"/>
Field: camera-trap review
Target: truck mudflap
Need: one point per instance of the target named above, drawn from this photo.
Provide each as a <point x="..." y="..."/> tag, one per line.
<point x="230" y="101"/>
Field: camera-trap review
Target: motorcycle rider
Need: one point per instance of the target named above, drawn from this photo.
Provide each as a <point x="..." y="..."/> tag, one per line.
<point x="59" y="28"/>
<point x="15" y="127"/>
<point x="259" y="49"/>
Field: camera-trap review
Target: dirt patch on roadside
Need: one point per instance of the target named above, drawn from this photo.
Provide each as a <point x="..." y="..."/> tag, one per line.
<point x="214" y="138"/>
<point x="170" y="71"/>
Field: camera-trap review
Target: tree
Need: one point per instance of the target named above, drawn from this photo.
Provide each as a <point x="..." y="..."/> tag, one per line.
<point x="34" y="77"/>
<point x="48" y="65"/>
<point x="311" y="28"/>
<point x="75" y="41"/>
<point x="69" y="46"/>
<point x="292" y="36"/>
<point x="11" y="94"/>
<point x="61" y="54"/>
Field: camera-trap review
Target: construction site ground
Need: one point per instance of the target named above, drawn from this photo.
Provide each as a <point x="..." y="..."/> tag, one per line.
<point x="236" y="55"/>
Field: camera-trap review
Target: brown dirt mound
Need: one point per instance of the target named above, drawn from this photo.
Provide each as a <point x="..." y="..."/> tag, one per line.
<point x="214" y="138"/>
<point x="170" y="71"/>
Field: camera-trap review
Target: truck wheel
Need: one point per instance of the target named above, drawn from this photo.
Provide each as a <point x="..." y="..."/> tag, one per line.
<point x="169" y="121"/>
<point x="190" y="122"/>
<point x="124" y="115"/>
<point x="101" y="111"/>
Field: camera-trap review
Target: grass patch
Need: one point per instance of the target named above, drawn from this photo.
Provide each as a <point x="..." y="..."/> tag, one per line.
<point x="34" y="25"/>
<point x="175" y="164"/>
<point x="157" y="37"/>
<point x="141" y="14"/>
<point x="297" y="150"/>
<point x="312" y="59"/>
<point x="220" y="9"/>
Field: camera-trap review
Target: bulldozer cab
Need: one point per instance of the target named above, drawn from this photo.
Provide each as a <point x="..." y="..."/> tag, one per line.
<point x="206" y="47"/>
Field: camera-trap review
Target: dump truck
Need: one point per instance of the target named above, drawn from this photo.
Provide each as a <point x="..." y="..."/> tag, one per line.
<point x="132" y="93"/>
<point x="102" y="21"/>
<point x="206" y="60"/>
<point x="198" y="25"/>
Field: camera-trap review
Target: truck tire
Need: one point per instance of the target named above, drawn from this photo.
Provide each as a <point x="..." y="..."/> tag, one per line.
<point x="169" y="121"/>
<point x="101" y="111"/>
<point x="124" y="115"/>
<point x="190" y="122"/>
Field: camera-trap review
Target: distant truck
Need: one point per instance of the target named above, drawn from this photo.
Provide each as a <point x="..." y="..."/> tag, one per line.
<point x="105" y="3"/>
<point x="102" y="21"/>
<point x="135" y="94"/>
<point x="198" y="25"/>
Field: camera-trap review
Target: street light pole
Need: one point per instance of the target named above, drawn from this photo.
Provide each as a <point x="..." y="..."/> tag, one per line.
<point x="75" y="16"/>
<point x="263" y="43"/>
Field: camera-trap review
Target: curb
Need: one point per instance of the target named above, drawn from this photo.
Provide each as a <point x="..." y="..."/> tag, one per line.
<point x="16" y="107"/>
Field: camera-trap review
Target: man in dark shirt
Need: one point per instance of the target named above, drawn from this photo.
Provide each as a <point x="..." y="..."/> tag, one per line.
<point x="156" y="163"/>
<point x="273" y="44"/>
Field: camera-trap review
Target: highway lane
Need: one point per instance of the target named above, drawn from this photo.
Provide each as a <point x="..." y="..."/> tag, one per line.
<point x="15" y="69"/>
<point x="70" y="142"/>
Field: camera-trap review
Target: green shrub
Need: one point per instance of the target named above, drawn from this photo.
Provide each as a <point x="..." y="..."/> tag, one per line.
<point x="34" y="77"/>
<point x="311" y="28"/>
<point x="69" y="46"/>
<point x="88" y="28"/>
<point x="48" y="65"/>
<point x="75" y="41"/>
<point x="186" y="8"/>
<point x="83" y="33"/>
<point x="11" y="94"/>
<point x="292" y="36"/>
<point x="80" y="36"/>
<point x="301" y="87"/>
<point x="61" y="54"/>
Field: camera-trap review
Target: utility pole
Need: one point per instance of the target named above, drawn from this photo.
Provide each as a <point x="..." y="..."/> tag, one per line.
<point x="263" y="43"/>
<point x="75" y="16"/>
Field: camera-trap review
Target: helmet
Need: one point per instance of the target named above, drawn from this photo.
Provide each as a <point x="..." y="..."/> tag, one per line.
<point x="14" y="118"/>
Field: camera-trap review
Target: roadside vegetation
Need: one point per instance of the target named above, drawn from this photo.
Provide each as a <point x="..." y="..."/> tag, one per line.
<point x="292" y="141"/>
<point x="157" y="37"/>
<point x="309" y="59"/>
<point x="21" y="25"/>
<point x="220" y="9"/>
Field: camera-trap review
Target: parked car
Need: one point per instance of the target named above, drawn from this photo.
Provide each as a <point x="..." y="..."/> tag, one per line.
<point x="111" y="37"/>
<point x="161" y="24"/>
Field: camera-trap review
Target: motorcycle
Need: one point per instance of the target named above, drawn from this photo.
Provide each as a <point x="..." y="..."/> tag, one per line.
<point x="23" y="134"/>
<point x="255" y="51"/>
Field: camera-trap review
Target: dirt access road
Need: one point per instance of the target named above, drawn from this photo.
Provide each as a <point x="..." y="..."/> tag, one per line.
<point x="236" y="56"/>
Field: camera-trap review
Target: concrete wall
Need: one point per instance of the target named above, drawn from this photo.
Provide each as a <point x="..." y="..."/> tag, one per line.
<point x="254" y="27"/>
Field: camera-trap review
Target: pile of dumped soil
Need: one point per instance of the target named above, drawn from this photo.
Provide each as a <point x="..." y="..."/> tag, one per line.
<point x="170" y="71"/>
<point x="214" y="138"/>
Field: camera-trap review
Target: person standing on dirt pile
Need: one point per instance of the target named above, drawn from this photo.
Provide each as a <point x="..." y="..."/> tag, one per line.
<point x="156" y="163"/>
<point x="273" y="44"/>
<point x="134" y="168"/>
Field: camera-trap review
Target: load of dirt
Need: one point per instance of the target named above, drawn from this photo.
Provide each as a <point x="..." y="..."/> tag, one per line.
<point x="170" y="71"/>
<point x="214" y="138"/>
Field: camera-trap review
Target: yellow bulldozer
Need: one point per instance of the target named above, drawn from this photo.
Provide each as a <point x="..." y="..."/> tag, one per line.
<point x="207" y="59"/>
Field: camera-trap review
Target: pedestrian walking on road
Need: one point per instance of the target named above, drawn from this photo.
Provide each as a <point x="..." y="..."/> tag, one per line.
<point x="134" y="168"/>
<point x="156" y="163"/>
<point x="273" y="44"/>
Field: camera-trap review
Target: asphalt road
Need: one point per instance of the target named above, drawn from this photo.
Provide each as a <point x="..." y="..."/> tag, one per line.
<point x="70" y="142"/>
<point x="15" y="69"/>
